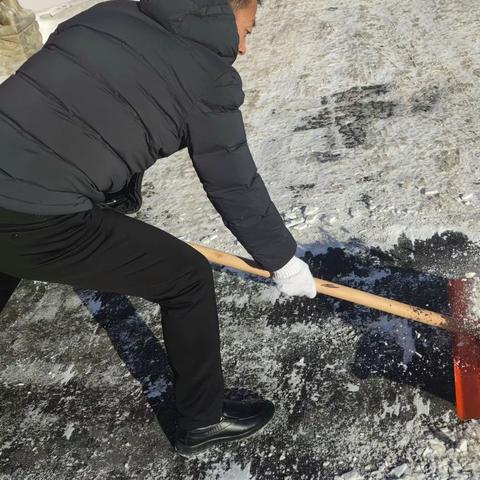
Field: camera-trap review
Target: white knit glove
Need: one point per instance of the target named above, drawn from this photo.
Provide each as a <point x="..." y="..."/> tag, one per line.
<point x="295" y="278"/>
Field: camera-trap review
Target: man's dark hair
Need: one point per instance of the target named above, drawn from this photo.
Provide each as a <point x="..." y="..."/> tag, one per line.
<point x="238" y="4"/>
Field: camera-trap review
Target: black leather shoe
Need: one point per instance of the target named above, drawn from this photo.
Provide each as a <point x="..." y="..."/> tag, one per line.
<point x="240" y="419"/>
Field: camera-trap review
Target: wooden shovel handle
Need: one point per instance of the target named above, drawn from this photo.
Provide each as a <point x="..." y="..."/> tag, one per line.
<point x="337" y="291"/>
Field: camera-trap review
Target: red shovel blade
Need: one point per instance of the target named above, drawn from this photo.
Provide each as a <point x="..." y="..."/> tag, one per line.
<point x="466" y="352"/>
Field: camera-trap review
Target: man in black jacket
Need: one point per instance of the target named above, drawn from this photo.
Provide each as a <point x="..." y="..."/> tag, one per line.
<point x="114" y="89"/>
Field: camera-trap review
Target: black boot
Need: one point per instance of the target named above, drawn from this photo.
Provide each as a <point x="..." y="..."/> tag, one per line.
<point x="240" y="419"/>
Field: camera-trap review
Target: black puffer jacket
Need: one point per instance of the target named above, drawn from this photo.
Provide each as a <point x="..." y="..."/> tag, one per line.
<point x="121" y="85"/>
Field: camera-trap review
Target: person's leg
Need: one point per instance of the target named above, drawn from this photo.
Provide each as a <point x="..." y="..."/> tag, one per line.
<point x="104" y="250"/>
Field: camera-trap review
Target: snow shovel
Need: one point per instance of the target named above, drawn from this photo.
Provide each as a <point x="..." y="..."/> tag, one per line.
<point x="466" y="344"/>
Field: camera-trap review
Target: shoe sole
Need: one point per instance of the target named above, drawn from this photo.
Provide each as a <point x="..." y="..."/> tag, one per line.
<point x="189" y="452"/>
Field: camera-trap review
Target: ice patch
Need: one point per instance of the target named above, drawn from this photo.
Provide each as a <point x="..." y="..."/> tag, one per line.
<point x="350" y="476"/>
<point x="401" y="331"/>
<point x="390" y="410"/>
<point x="422" y="408"/>
<point x="352" y="387"/>
<point x="295" y="379"/>
<point x="92" y="301"/>
<point x="69" y="430"/>
<point x="239" y="300"/>
<point x="399" y="471"/>
<point x="269" y="295"/>
<point x="235" y="472"/>
<point x="375" y="276"/>
<point x="66" y="376"/>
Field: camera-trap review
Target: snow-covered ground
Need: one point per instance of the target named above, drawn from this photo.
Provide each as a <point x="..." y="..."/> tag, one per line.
<point x="44" y="5"/>
<point x="362" y="116"/>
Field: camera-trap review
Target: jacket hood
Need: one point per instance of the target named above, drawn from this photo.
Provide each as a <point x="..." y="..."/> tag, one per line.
<point x="209" y="22"/>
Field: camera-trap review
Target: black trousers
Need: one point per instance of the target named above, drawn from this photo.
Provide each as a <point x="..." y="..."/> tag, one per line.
<point x="104" y="250"/>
